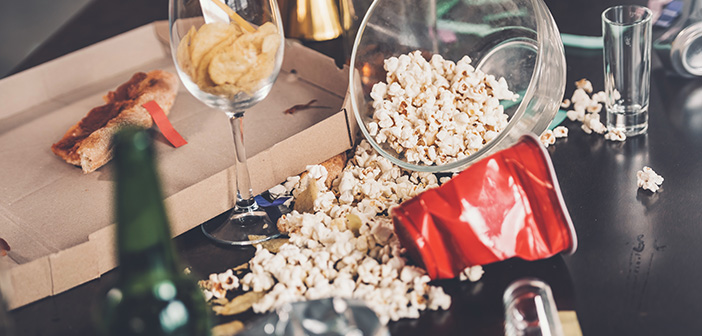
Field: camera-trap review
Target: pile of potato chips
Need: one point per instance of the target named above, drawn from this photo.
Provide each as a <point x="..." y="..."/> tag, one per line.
<point x="224" y="59"/>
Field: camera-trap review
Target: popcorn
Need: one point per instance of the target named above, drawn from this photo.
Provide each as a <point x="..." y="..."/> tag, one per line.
<point x="648" y="179"/>
<point x="291" y="182"/>
<point x="580" y="100"/>
<point x="586" y="110"/>
<point x="615" y="135"/>
<point x="565" y="103"/>
<point x="574" y="115"/>
<point x="473" y="273"/>
<point x="228" y="280"/>
<point x="560" y="132"/>
<point x="592" y="122"/>
<point x="584" y="84"/>
<point x="594" y="107"/>
<point x="346" y="245"/>
<point x="547" y="138"/>
<point x="278" y="191"/>
<point x="599" y="97"/>
<point x="437" y="111"/>
<point x="217" y="285"/>
<point x="438" y="299"/>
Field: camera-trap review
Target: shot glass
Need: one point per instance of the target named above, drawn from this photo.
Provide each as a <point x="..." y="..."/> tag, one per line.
<point x="626" y="31"/>
<point x="530" y="309"/>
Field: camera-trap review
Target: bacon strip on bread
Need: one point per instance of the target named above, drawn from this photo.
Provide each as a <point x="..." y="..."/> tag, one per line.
<point x="88" y="143"/>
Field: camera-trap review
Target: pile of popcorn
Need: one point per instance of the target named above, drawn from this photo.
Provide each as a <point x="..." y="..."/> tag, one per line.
<point x="346" y="247"/>
<point x="437" y="111"/>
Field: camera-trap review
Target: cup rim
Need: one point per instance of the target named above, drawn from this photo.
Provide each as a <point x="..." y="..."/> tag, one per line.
<point x="642" y="21"/>
<point x="682" y="44"/>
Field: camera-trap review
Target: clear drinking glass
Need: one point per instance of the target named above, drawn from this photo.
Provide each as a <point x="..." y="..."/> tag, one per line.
<point x="328" y="317"/>
<point x="626" y="31"/>
<point x="530" y="309"/>
<point x="228" y="54"/>
<point x="514" y="39"/>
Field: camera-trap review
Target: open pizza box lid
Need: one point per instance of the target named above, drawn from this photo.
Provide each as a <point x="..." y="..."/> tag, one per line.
<point x="59" y="221"/>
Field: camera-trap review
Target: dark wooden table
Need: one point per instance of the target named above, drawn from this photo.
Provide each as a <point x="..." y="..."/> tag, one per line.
<point x="639" y="260"/>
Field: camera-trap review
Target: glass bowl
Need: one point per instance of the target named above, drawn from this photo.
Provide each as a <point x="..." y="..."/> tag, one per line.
<point x="514" y="39"/>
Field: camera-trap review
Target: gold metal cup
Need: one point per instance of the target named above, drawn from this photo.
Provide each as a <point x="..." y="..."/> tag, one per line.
<point x="312" y="20"/>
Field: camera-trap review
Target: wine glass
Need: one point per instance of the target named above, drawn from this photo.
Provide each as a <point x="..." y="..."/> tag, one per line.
<point x="228" y="54"/>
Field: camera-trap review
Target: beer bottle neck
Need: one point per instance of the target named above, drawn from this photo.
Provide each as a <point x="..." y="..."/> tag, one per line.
<point x="143" y="235"/>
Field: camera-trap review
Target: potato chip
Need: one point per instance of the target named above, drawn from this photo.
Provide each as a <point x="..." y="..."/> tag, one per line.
<point x="227" y="67"/>
<point x="247" y="65"/>
<point x="268" y="28"/>
<point x="183" y="52"/>
<point x="274" y="245"/>
<point x="270" y="44"/>
<point x="354" y="224"/>
<point x="239" y="304"/>
<point x="219" y="302"/>
<point x="338" y="223"/>
<point x="256" y="237"/>
<point x="228" y="329"/>
<point x="224" y="60"/>
<point x="208" y="36"/>
<point x="334" y="165"/>
<point x="305" y="200"/>
<point x="251" y="80"/>
<point x="202" y="77"/>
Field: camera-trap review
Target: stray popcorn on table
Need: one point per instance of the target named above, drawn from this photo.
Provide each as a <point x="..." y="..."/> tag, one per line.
<point x="547" y="138"/>
<point x="648" y="179"/>
<point x="586" y="108"/>
<point x="437" y="111"/>
<point x="560" y="132"/>
<point x="345" y="244"/>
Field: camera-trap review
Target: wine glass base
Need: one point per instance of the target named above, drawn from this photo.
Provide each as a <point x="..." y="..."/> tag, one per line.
<point x="242" y="228"/>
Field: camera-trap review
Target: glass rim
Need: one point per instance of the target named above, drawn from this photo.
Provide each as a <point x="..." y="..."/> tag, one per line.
<point x="641" y="21"/>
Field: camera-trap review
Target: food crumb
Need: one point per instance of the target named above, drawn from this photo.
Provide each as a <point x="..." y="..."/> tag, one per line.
<point x="648" y="179"/>
<point x="472" y="273"/>
<point x="615" y="135"/>
<point x="547" y="138"/>
<point x="560" y="132"/>
<point x="565" y="103"/>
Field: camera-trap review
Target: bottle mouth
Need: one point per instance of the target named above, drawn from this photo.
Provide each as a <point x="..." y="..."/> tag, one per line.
<point x="686" y="51"/>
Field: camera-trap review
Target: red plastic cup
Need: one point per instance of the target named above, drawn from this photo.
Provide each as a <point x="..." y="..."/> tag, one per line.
<point x="506" y="205"/>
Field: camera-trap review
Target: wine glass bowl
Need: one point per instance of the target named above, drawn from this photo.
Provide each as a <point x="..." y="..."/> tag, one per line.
<point x="191" y="16"/>
<point x="514" y="39"/>
<point x="228" y="54"/>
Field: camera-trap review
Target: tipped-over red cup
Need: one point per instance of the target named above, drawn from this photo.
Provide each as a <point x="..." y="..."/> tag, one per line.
<point x="506" y="205"/>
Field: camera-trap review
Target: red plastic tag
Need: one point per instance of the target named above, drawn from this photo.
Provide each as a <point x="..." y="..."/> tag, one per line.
<point x="164" y="124"/>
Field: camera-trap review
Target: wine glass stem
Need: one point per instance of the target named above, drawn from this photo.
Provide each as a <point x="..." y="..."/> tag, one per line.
<point x="244" y="193"/>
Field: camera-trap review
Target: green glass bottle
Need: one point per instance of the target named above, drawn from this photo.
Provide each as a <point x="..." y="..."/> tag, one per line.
<point x="152" y="295"/>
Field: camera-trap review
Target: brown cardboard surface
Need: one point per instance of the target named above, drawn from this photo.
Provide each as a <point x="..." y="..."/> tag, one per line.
<point x="58" y="221"/>
<point x="33" y="278"/>
<point x="73" y="266"/>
